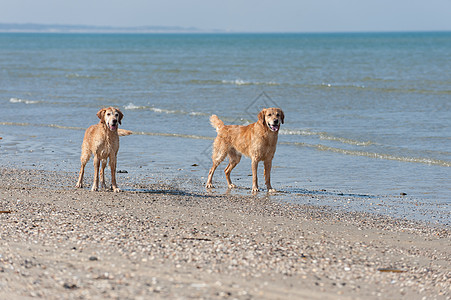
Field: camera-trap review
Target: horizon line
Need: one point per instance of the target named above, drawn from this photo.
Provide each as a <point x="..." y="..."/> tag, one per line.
<point x="148" y="29"/>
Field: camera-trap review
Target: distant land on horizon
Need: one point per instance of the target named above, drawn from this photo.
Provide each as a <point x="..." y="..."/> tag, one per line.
<point x="57" y="28"/>
<point x="65" y="28"/>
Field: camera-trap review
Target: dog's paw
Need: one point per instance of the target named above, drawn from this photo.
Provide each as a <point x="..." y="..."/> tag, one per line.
<point x="255" y="189"/>
<point x="232" y="186"/>
<point x="271" y="190"/>
<point x="94" y="189"/>
<point x="209" y="186"/>
<point x="79" y="185"/>
<point x="117" y="190"/>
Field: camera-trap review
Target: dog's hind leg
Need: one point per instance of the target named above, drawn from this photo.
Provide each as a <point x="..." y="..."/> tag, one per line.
<point x="84" y="160"/>
<point x="217" y="157"/>
<point x="234" y="159"/>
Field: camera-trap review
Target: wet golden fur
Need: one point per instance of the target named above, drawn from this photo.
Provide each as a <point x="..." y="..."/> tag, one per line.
<point x="257" y="141"/>
<point x="102" y="141"/>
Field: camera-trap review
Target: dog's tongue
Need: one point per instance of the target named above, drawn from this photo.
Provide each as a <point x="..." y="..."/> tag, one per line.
<point x="274" y="127"/>
<point x="113" y="127"/>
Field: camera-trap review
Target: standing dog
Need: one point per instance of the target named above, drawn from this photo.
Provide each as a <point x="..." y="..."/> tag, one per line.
<point x="257" y="141"/>
<point x="102" y="141"/>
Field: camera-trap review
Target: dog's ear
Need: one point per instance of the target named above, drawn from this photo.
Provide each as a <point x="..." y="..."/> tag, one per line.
<point x="282" y="116"/>
<point x="101" y="115"/>
<point x="261" y="116"/>
<point x="121" y="115"/>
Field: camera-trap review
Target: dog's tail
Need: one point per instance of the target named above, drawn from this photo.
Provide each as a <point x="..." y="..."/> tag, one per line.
<point x="124" y="132"/>
<point x="216" y="123"/>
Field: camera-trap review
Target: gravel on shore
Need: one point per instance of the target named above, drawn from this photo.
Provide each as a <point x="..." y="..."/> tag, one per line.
<point x="160" y="242"/>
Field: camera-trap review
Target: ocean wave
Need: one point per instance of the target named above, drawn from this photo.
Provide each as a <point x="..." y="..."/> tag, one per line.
<point x="412" y="90"/>
<point x="165" y="111"/>
<point x="17" y="100"/>
<point x="132" y="106"/>
<point x="238" y="82"/>
<point x="76" y="75"/>
<point x="41" y="125"/>
<point x="342" y="85"/>
<point x="320" y="147"/>
<point x="384" y="156"/>
<point x="244" y="82"/>
<point x="325" y="136"/>
<point x="180" y="135"/>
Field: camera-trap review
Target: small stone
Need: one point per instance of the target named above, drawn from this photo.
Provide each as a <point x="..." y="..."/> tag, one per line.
<point x="69" y="286"/>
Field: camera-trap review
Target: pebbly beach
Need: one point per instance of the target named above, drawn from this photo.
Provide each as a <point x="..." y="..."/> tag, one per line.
<point x="157" y="241"/>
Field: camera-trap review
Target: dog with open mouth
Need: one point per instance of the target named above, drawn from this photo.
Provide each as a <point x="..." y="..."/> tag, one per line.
<point x="257" y="141"/>
<point x="102" y="141"/>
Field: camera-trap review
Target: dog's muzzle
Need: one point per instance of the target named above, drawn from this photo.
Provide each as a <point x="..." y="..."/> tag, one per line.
<point x="113" y="125"/>
<point x="275" y="126"/>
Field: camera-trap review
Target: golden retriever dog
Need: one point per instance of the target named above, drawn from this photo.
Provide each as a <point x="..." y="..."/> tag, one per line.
<point x="102" y="141"/>
<point x="257" y="141"/>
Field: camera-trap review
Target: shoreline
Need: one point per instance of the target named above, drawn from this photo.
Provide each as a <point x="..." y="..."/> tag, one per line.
<point x="163" y="242"/>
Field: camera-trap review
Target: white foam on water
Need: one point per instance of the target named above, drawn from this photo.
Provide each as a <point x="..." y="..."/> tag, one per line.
<point x="244" y="82"/>
<point x="324" y="136"/>
<point x="17" y="100"/>
<point x="132" y="106"/>
<point x="384" y="156"/>
<point x="166" y="111"/>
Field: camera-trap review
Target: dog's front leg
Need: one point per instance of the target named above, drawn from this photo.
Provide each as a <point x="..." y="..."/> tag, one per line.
<point x="268" y="166"/>
<point x="95" y="184"/>
<point x="102" y="174"/>
<point x="254" y="175"/>
<point x="113" y="174"/>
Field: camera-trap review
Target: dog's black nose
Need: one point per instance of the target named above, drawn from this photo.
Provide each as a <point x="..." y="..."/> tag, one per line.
<point x="276" y="121"/>
<point x="114" y="122"/>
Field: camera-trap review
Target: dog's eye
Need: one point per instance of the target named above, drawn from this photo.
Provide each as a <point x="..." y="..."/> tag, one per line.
<point x="277" y="115"/>
<point x="108" y="114"/>
<point x="269" y="115"/>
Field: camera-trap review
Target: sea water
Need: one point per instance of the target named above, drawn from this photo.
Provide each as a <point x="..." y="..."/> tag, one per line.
<point x="367" y="115"/>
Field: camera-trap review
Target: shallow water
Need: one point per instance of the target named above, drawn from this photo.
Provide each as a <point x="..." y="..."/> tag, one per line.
<point x="367" y="115"/>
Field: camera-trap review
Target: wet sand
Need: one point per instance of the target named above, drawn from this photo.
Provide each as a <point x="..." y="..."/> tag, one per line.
<point x="161" y="242"/>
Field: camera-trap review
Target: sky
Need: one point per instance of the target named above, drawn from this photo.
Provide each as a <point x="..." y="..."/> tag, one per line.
<point x="238" y="15"/>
